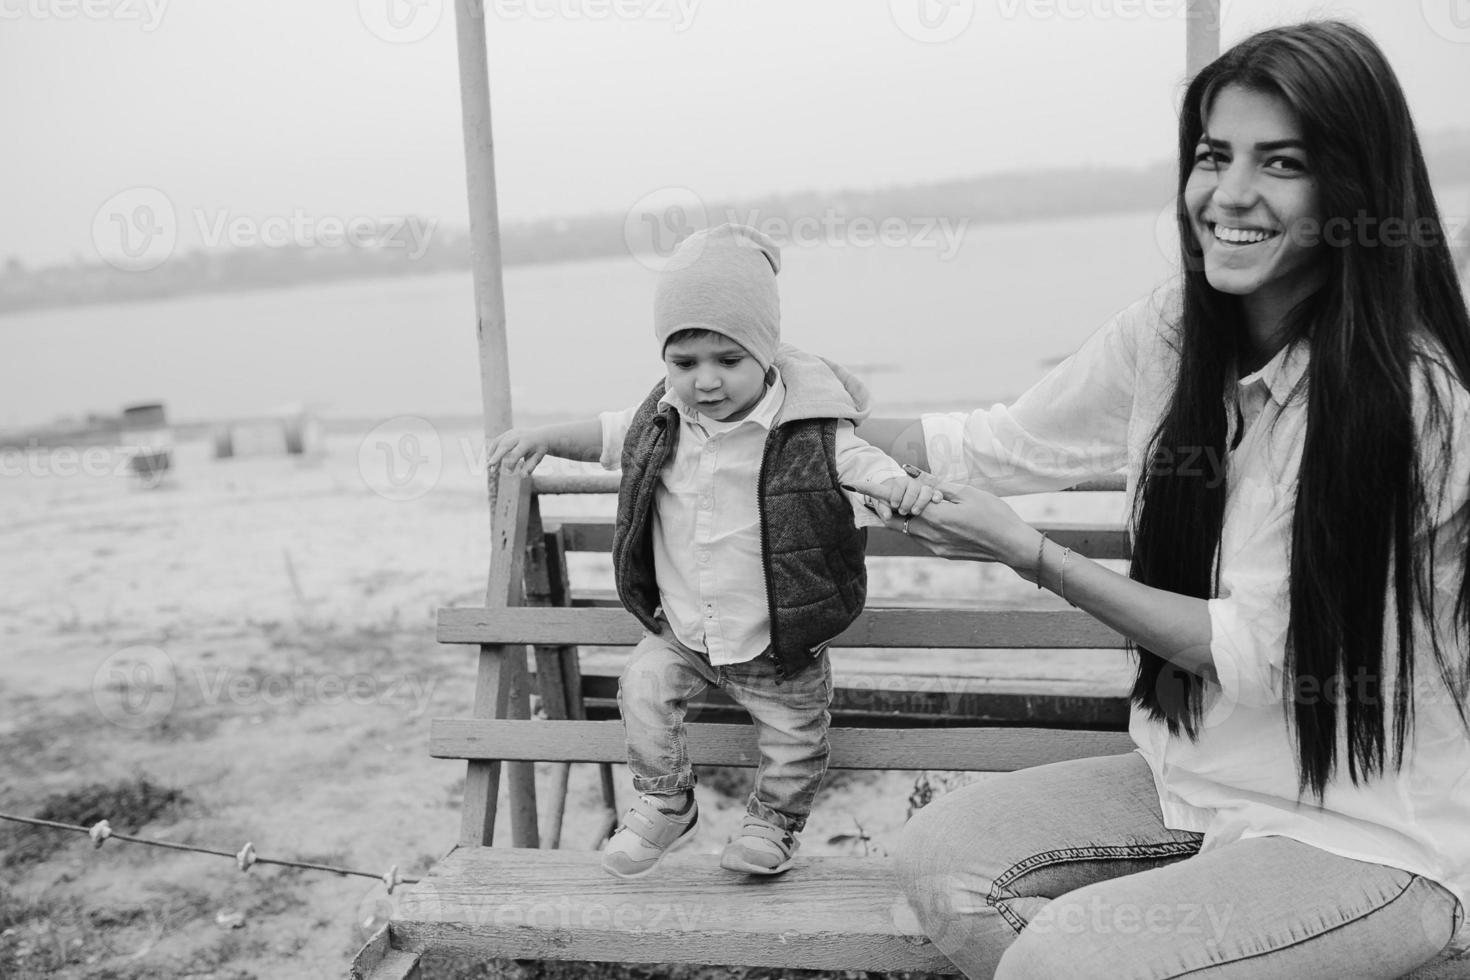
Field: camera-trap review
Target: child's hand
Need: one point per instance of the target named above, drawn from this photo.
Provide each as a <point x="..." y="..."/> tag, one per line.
<point x="907" y="496"/>
<point x="520" y="449"/>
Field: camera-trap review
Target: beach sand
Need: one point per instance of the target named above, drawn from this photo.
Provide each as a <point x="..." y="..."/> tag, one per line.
<point x="257" y="634"/>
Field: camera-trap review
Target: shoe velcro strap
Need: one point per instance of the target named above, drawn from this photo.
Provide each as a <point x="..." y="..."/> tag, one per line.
<point x="753" y="828"/>
<point x="652" y="824"/>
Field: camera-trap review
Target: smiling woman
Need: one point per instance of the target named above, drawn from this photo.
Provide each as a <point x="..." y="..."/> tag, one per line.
<point x="1299" y="606"/>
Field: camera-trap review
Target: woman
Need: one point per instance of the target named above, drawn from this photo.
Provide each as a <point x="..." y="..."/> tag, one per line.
<point x="1292" y="414"/>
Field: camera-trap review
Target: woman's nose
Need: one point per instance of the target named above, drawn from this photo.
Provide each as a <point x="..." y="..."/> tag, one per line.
<point x="1235" y="187"/>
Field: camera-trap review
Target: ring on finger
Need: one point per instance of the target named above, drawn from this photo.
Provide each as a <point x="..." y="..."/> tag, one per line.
<point x="906" y="524"/>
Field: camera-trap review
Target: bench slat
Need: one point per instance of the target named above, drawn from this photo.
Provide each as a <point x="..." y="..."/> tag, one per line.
<point x="967" y="749"/>
<point x="1093" y="540"/>
<point x="969" y="628"/>
<point x="831" y="913"/>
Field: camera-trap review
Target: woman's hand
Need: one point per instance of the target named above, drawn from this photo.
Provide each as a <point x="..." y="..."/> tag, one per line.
<point x="971" y="525"/>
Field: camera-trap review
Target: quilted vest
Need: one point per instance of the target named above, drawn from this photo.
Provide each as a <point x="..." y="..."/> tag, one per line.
<point x="811" y="549"/>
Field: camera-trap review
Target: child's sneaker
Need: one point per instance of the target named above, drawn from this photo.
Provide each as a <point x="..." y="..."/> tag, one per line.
<point x="761" y="849"/>
<point x="647" y="833"/>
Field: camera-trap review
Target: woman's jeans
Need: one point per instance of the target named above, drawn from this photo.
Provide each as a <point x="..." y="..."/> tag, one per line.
<point x="791" y="719"/>
<point x="1067" y="871"/>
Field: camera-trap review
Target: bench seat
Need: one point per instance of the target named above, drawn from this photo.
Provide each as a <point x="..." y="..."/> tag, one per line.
<point x="828" y="913"/>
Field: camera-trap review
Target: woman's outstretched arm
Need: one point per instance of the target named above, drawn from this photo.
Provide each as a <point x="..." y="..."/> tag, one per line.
<point x="974" y="525"/>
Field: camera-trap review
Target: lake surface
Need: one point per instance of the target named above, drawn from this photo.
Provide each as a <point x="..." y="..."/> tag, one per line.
<point x="926" y="331"/>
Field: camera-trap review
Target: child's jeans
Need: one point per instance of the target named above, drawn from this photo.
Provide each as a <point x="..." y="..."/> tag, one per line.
<point x="1067" y="871"/>
<point x="791" y="720"/>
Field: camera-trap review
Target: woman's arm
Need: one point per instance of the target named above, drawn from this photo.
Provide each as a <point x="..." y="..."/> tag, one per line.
<point x="973" y="525"/>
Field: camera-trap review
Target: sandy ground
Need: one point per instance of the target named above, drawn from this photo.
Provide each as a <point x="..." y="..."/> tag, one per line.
<point x="257" y="634"/>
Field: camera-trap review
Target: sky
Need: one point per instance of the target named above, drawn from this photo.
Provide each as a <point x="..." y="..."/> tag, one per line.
<point x="307" y="111"/>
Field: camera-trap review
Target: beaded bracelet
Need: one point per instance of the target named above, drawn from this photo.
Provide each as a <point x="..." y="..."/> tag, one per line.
<point x="1040" y="549"/>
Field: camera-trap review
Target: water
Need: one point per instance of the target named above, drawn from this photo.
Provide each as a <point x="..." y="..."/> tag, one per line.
<point x="925" y="331"/>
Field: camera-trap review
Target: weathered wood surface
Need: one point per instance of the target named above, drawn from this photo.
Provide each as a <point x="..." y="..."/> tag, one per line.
<point x="900" y="701"/>
<point x="973" y="627"/>
<point x="832" y="913"/>
<point x="968" y="749"/>
<point x="608" y="482"/>
<point x="502" y="681"/>
<point x="378" y="960"/>
<point x="1092" y="540"/>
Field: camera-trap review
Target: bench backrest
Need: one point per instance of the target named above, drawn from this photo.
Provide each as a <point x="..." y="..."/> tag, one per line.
<point x="529" y="605"/>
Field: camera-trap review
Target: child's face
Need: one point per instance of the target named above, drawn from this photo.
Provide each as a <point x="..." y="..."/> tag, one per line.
<point x="715" y="375"/>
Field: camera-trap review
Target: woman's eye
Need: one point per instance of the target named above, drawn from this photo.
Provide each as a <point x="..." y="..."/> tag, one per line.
<point x="1288" y="164"/>
<point x="1208" y="159"/>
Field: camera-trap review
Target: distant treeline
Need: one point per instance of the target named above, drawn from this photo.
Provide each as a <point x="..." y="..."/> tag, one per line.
<point x="979" y="200"/>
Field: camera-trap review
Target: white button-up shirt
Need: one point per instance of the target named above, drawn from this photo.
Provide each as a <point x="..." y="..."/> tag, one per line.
<point x="706" y="521"/>
<point x="1095" y="413"/>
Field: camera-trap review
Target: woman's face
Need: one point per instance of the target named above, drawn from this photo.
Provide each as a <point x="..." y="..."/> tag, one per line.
<point x="1253" y="202"/>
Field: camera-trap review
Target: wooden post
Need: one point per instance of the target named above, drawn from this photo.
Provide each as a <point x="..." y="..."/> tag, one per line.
<point x="1202" y="39"/>
<point x="479" y="158"/>
<point x="502" y="687"/>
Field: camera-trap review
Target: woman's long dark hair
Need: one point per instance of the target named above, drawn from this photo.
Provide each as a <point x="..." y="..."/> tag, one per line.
<point x="1360" y="493"/>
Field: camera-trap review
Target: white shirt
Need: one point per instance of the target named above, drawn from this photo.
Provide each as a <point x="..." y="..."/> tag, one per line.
<point x="706" y="521"/>
<point x="1095" y="412"/>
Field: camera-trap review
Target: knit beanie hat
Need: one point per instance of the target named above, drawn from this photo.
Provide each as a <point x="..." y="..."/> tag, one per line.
<point x="722" y="279"/>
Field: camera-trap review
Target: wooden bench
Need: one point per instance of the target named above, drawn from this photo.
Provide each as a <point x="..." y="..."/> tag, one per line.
<point x="529" y="900"/>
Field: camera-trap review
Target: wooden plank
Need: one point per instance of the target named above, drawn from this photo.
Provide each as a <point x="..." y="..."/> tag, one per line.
<point x="378" y="960"/>
<point x="1093" y="540"/>
<point x="501" y="685"/>
<point x="968" y="749"/>
<point x="546" y="585"/>
<point x="921" y="702"/>
<point x="980" y="626"/>
<point x="608" y="482"/>
<point x="829" y="913"/>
